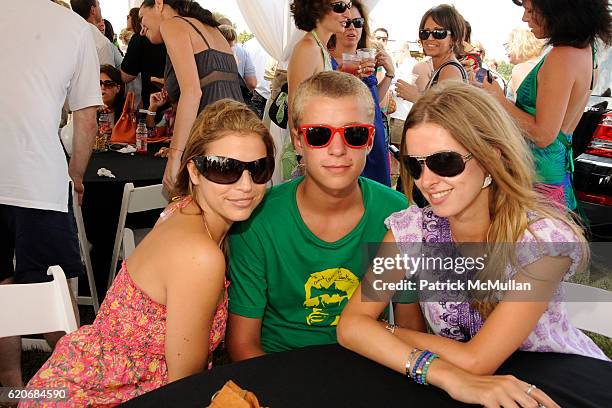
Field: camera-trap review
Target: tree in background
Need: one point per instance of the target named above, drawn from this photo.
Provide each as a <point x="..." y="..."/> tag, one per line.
<point x="244" y="37"/>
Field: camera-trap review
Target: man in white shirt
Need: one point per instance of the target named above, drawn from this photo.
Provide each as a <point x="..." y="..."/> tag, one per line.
<point x="92" y="13"/>
<point x="261" y="59"/>
<point x="54" y="61"/>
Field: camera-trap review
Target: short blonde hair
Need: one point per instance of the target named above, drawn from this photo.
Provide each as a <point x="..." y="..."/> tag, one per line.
<point x="524" y="45"/>
<point x="332" y="84"/>
<point x="229" y="33"/>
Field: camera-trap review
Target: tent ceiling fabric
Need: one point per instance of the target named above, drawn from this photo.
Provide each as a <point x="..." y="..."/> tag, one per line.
<point x="272" y="24"/>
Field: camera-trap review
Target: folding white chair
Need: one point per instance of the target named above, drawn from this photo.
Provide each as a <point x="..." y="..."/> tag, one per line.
<point x="85" y="247"/>
<point x="588" y="308"/>
<point x="135" y="199"/>
<point x="37" y="308"/>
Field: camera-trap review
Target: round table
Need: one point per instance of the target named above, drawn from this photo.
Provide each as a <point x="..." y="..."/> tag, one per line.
<point x="102" y="202"/>
<point x="331" y="376"/>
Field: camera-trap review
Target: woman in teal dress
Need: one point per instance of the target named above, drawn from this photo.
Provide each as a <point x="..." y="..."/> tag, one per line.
<point x="551" y="99"/>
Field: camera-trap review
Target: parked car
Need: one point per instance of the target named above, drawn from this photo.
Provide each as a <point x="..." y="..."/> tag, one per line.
<point x="593" y="155"/>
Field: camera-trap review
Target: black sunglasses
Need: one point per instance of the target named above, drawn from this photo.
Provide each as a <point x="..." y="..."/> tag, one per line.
<point x="340" y="6"/>
<point x="438" y="33"/>
<point x="444" y="164"/>
<point x="357" y="22"/>
<point x="108" y="83"/>
<point x="225" y="170"/>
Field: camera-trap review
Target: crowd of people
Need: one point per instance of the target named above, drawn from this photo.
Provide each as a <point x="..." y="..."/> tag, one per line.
<point x="283" y="267"/>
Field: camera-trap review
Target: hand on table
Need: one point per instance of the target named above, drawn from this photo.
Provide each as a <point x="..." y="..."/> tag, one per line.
<point x="494" y="391"/>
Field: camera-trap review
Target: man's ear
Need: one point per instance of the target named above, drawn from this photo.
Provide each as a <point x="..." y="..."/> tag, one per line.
<point x="297" y="142"/>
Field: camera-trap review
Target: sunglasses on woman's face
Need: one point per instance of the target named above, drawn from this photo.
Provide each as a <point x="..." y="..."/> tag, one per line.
<point x="225" y="170"/>
<point x="108" y="83"/>
<point x="354" y="136"/>
<point x="444" y="164"/>
<point x="340" y="6"/>
<point x="437" y="33"/>
<point x="357" y="22"/>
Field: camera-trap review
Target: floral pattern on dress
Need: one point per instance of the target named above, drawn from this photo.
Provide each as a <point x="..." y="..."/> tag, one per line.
<point x="121" y="355"/>
<point x="458" y="321"/>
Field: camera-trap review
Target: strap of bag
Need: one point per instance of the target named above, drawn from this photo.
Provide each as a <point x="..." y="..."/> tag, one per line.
<point x="128" y="106"/>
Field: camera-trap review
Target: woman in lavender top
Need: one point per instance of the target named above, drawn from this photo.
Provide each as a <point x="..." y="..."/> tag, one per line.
<point x="468" y="158"/>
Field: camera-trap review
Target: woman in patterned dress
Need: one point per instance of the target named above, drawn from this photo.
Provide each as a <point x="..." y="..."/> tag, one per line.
<point x="468" y="158"/>
<point x="167" y="308"/>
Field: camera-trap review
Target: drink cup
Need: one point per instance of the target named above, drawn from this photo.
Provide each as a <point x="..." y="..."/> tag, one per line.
<point x="366" y="54"/>
<point x="350" y="63"/>
<point x="412" y="78"/>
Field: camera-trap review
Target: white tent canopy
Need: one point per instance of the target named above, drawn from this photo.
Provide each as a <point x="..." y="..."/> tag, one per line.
<point x="271" y="22"/>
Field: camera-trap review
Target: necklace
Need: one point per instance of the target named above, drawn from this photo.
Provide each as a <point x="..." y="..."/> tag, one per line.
<point x="206" y="225"/>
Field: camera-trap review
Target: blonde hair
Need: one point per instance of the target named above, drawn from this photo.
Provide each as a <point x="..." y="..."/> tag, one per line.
<point x="331" y="84"/>
<point x="229" y="33"/>
<point x="486" y="130"/>
<point x="524" y="45"/>
<point x="213" y="123"/>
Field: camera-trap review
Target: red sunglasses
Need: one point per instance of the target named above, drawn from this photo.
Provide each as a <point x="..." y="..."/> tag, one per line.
<point x="354" y="136"/>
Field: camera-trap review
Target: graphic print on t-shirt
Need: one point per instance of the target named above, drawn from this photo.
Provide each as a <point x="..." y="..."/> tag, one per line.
<point x="327" y="292"/>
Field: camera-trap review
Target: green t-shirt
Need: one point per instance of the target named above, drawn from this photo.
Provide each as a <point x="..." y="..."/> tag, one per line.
<point x="296" y="283"/>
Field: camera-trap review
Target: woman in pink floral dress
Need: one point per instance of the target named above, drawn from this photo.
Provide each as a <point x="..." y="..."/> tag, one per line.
<point x="167" y="308"/>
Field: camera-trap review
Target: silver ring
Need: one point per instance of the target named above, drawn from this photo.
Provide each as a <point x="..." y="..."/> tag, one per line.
<point x="531" y="388"/>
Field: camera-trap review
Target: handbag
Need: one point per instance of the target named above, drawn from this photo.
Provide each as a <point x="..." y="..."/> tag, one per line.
<point x="232" y="396"/>
<point x="279" y="110"/>
<point x="124" y="131"/>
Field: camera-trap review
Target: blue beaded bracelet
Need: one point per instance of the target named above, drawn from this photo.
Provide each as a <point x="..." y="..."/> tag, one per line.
<point x="418" y="369"/>
<point x="431" y="358"/>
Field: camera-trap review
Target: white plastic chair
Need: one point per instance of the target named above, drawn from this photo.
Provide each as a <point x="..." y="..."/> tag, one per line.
<point x="589" y="308"/>
<point x="37" y="307"/>
<point x="135" y="199"/>
<point x="85" y="247"/>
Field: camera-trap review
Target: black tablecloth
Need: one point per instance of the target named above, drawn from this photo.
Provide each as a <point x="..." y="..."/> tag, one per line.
<point x="331" y="376"/>
<point x="102" y="202"/>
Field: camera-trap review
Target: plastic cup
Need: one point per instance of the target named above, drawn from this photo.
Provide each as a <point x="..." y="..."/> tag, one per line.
<point x="350" y="63"/>
<point x="366" y="54"/>
<point x="412" y="79"/>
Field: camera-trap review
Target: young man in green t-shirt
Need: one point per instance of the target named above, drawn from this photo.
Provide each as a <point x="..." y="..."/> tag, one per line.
<point x="296" y="262"/>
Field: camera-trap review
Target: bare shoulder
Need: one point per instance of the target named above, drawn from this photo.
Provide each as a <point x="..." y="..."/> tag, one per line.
<point x="567" y="58"/>
<point x="191" y="258"/>
<point x="306" y="47"/>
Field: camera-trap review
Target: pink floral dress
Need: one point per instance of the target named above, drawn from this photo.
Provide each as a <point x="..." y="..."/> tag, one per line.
<point x="121" y="355"/>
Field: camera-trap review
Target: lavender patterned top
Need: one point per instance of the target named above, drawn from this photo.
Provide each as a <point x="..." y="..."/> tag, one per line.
<point x="459" y="321"/>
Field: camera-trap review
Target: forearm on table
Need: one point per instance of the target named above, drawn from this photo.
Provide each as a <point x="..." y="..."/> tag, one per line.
<point x="457" y="353"/>
<point x="85" y="130"/>
<point x="244" y="351"/>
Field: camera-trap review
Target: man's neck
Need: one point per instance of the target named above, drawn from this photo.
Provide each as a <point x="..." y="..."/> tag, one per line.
<point x="315" y="198"/>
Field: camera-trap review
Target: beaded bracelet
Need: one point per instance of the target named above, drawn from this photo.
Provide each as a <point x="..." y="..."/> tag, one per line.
<point x="419" y="372"/>
<point x="427" y="363"/>
<point x="417" y="366"/>
<point x="409" y="361"/>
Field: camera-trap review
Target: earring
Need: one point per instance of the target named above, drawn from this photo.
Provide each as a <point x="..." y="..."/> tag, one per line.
<point x="487" y="181"/>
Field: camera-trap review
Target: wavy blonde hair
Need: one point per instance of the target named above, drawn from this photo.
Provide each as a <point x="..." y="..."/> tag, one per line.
<point x="484" y="128"/>
<point x="524" y="45"/>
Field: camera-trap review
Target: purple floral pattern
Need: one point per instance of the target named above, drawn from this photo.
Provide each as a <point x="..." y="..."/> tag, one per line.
<point x="458" y="321"/>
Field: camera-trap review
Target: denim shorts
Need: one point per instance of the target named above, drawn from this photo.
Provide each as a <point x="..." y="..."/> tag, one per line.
<point x="38" y="239"/>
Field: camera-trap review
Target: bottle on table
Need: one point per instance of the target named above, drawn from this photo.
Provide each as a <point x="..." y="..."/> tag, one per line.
<point x="141" y="132"/>
<point x="105" y="128"/>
